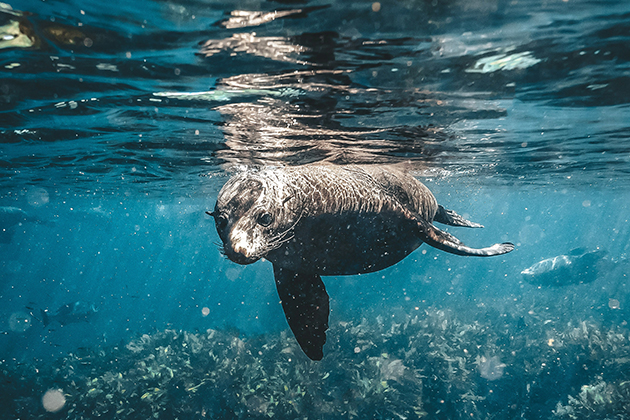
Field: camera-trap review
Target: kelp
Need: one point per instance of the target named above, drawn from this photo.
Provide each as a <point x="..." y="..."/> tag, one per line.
<point x="423" y="364"/>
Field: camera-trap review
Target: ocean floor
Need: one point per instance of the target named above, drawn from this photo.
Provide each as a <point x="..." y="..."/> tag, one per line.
<point x="430" y="364"/>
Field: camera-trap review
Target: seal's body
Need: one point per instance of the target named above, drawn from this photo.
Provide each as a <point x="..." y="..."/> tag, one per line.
<point x="329" y="220"/>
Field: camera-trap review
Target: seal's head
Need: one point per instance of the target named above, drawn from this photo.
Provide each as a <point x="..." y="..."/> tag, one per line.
<point x="253" y="217"/>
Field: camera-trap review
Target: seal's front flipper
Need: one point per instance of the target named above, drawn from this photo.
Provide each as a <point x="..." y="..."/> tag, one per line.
<point x="305" y="303"/>
<point x="449" y="217"/>
<point x="447" y="242"/>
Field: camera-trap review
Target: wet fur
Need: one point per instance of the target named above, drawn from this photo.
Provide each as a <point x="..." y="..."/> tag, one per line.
<point x="373" y="202"/>
<point x="329" y="220"/>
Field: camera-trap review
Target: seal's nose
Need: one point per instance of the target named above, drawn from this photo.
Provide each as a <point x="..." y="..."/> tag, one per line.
<point x="238" y="249"/>
<point x="239" y="242"/>
<point x="241" y="256"/>
<point x="241" y="250"/>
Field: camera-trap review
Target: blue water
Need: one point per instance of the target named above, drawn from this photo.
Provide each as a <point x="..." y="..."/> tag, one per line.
<point x="120" y="122"/>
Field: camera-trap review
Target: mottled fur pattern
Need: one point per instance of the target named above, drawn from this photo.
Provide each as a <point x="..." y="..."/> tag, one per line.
<point x="290" y="195"/>
<point x="319" y="220"/>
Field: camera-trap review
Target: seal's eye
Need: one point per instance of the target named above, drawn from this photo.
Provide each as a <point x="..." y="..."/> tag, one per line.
<point x="265" y="219"/>
<point x="220" y="220"/>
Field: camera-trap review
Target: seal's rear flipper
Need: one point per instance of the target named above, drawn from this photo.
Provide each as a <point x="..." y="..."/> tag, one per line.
<point x="449" y="217"/>
<point x="447" y="242"/>
<point x="305" y="303"/>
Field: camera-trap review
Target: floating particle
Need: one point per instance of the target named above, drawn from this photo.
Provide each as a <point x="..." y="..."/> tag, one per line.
<point x="491" y="368"/>
<point x="20" y="321"/>
<point x="53" y="400"/>
<point x="613" y="303"/>
<point x="37" y="196"/>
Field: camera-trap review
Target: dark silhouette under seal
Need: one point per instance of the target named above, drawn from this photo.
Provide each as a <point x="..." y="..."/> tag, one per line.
<point x="70" y="313"/>
<point x="578" y="267"/>
<point x="328" y="220"/>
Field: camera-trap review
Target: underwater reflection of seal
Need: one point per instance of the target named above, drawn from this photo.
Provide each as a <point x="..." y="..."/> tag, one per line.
<point x="580" y="266"/>
<point x="317" y="220"/>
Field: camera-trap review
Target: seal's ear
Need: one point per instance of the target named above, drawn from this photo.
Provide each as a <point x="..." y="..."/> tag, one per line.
<point x="293" y="201"/>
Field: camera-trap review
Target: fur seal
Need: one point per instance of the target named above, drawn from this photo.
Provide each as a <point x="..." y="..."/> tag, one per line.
<point x="327" y="220"/>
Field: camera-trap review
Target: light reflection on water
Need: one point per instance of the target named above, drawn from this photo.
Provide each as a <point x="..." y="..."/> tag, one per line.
<point x="478" y="88"/>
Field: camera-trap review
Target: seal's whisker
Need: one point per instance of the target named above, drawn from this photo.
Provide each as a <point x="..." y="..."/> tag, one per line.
<point x="280" y="237"/>
<point x="277" y="244"/>
<point x="290" y="228"/>
<point x="222" y="249"/>
<point x="282" y="241"/>
<point x="283" y="237"/>
<point x="276" y="241"/>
